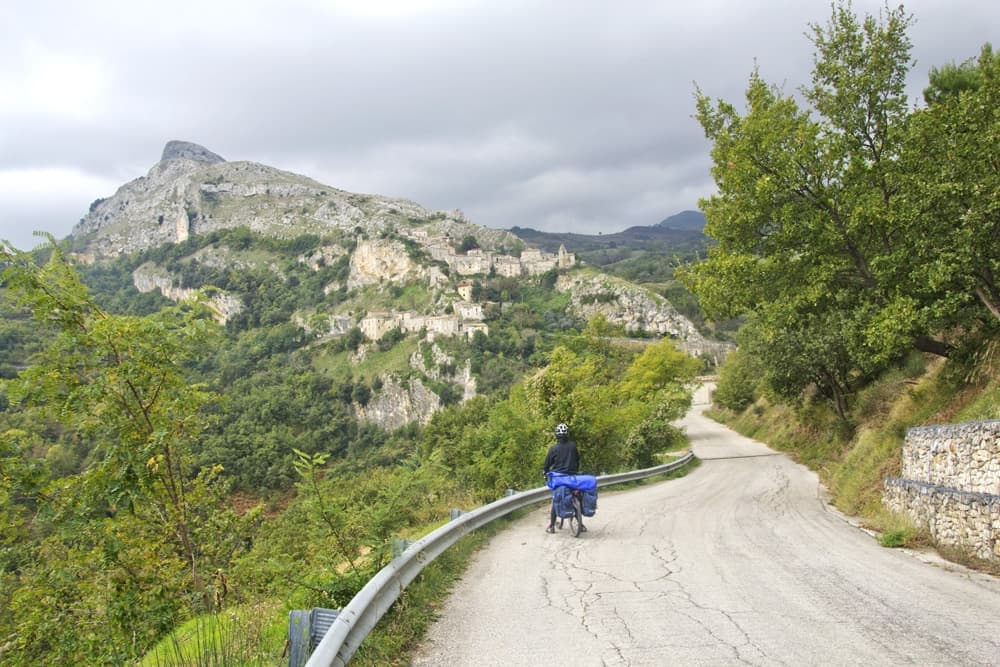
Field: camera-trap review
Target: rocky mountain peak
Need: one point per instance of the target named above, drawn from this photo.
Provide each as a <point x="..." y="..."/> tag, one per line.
<point x="189" y="151"/>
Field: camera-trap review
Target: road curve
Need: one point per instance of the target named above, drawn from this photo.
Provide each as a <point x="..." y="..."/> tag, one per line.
<point x="741" y="562"/>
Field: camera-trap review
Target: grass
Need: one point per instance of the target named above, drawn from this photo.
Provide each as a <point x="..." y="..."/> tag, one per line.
<point x="897" y="530"/>
<point x="244" y="636"/>
<point x="965" y="560"/>
<point x="396" y="359"/>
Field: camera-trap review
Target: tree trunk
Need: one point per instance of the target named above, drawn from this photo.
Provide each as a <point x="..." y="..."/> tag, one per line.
<point x="989" y="302"/>
<point x="837" y="394"/>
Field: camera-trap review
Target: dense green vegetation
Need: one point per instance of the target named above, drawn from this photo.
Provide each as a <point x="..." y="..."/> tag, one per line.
<point x="161" y="472"/>
<point x="860" y="238"/>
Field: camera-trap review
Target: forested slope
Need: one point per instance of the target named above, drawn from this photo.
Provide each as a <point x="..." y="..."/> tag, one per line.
<point x="159" y="466"/>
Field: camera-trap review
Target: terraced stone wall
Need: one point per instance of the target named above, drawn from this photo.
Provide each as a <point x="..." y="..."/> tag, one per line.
<point x="950" y="484"/>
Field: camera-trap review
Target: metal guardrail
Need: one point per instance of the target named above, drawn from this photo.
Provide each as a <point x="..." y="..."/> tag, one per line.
<point x="363" y="612"/>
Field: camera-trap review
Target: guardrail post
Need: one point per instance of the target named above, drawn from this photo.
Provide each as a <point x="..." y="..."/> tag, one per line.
<point x="306" y="628"/>
<point x="510" y="492"/>
<point x="455" y="513"/>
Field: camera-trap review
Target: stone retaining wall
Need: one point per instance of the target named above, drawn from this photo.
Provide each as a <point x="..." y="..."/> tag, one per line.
<point x="958" y="456"/>
<point x="959" y="519"/>
<point x="950" y="485"/>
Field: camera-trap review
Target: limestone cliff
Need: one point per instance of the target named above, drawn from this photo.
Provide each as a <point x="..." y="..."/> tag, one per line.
<point x="399" y="403"/>
<point x="185" y="150"/>
<point x="623" y="303"/>
<point x="149" y="277"/>
<point x="193" y="190"/>
<point x="380" y="260"/>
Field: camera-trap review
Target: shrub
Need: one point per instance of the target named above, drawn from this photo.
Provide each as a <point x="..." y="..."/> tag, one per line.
<point x="739" y="378"/>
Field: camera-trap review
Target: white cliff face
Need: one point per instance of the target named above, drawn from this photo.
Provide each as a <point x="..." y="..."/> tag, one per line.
<point x="398" y="404"/>
<point x="149" y="277"/>
<point x="379" y="260"/>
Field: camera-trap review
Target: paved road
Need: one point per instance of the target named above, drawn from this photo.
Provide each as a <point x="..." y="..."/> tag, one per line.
<point x="740" y="562"/>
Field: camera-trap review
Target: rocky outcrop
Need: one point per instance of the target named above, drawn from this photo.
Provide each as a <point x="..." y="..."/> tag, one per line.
<point x="379" y="260"/>
<point x="185" y="150"/>
<point x="439" y="365"/>
<point x="192" y="191"/>
<point x="323" y="257"/>
<point x="625" y="304"/>
<point x="149" y="277"/>
<point x="399" y="403"/>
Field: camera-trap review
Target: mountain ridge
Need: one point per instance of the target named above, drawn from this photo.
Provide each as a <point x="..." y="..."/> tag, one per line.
<point x="192" y="190"/>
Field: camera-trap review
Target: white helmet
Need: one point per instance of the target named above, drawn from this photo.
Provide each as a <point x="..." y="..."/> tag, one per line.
<point x="562" y="431"/>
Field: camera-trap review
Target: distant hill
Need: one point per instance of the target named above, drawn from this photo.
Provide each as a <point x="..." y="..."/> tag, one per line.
<point x="635" y="254"/>
<point x="681" y="231"/>
<point x="193" y="191"/>
<point x="692" y="220"/>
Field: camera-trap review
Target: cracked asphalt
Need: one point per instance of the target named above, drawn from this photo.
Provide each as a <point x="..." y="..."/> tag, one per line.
<point x="739" y="563"/>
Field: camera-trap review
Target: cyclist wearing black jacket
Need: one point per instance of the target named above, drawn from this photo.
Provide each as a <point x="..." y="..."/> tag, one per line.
<point x="564" y="458"/>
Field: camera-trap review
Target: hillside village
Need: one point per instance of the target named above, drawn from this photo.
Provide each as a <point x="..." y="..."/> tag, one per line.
<point x="385" y="245"/>
<point x="468" y="315"/>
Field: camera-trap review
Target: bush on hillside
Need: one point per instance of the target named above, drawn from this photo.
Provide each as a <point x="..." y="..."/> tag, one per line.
<point x="739" y="378"/>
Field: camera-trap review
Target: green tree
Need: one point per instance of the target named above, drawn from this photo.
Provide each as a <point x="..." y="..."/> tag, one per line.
<point x="950" y="80"/>
<point x="507" y="446"/>
<point x="858" y="215"/>
<point x="660" y="366"/>
<point x="656" y="433"/>
<point x="606" y="392"/>
<point x="804" y="215"/>
<point x="134" y="537"/>
<point x="739" y="379"/>
<point x="953" y="179"/>
<point x="467" y="243"/>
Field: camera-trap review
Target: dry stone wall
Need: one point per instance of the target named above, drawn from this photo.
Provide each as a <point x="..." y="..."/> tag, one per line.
<point x="950" y="485"/>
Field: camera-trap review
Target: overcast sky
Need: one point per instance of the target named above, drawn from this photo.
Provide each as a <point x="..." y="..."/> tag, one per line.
<point x="561" y="115"/>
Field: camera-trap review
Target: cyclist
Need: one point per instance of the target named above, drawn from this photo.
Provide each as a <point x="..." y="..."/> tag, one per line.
<point x="564" y="458"/>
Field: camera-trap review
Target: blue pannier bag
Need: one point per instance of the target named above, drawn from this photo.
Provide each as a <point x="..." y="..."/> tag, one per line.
<point x="578" y="482"/>
<point x="562" y="498"/>
<point x="589" y="498"/>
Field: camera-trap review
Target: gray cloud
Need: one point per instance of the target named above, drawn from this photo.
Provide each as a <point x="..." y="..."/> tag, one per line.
<point x="566" y="116"/>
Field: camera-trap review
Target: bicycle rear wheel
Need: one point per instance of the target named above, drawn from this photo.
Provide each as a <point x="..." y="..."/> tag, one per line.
<point x="576" y="521"/>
